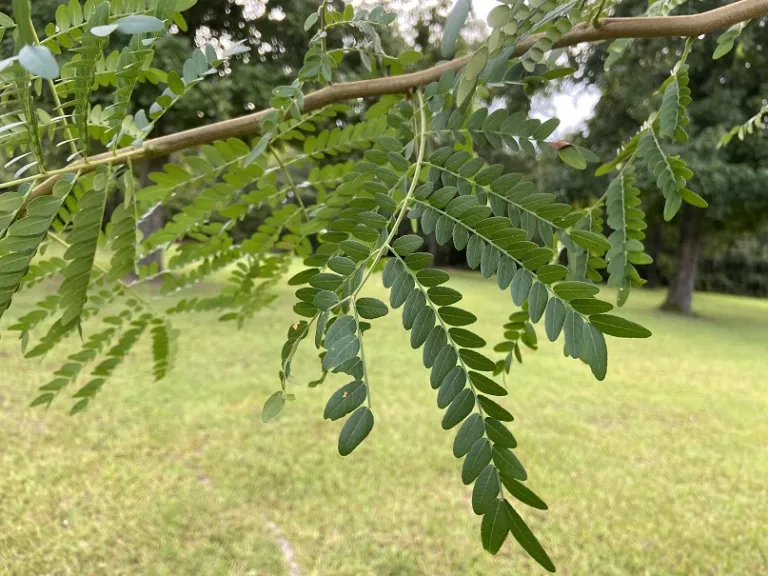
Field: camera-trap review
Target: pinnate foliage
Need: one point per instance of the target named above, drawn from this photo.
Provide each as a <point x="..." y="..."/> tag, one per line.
<point x="338" y="189"/>
<point x="752" y="126"/>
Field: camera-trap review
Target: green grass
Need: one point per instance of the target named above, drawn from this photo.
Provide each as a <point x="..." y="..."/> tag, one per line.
<point x="660" y="469"/>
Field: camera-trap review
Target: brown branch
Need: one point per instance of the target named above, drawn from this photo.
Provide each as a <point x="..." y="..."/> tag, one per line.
<point x="609" y="29"/>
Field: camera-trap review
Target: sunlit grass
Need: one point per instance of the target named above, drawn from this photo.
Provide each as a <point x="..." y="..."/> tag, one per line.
<point x="660" y="469"/>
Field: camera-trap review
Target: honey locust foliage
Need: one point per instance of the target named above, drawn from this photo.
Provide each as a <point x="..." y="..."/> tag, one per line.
<point x="336" y="193"/>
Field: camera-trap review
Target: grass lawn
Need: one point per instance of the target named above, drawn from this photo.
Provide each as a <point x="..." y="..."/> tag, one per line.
<point x="658" y="470"/>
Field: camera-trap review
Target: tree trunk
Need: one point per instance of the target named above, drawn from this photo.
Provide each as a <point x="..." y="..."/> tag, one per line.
<point x="680" y="294"/>
<point x="155" y="220"/>
<point x="433" y="248"/>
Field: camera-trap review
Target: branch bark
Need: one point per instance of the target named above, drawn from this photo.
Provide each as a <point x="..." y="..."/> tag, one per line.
<point x="608" y="29"/>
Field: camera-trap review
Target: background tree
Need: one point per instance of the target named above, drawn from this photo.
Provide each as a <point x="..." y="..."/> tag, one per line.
<point x="724" y="91"/>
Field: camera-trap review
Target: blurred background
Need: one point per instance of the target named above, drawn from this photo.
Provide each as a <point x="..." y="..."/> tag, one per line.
<point x="658" y="470"/>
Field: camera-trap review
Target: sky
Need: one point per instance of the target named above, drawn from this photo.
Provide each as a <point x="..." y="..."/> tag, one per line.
<point x="482" y="7"/>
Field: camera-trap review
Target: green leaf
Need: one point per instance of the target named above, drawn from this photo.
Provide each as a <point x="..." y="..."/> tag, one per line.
<point x="475" y="248"/>
<point x="342" y="350"/>
<point x="42" y="399"/>
<point x="83" y="239"/>
<point x="343" y="326"/>
<point x="258" y="149"/>
<point x="590" y="240"/>
<point x="371" y="308"/>
<point x="494" y="410"/>
<point x="486" y="385"/>
<point x="432" y="277"/>
<point x="571" y="156"/>
<point x="392" y="270"/>
<point x="521" y="286"/>
<point x="572" y="289"/>
<point x="489" y="261"/>
<point x="555" y="317"/>
<point x="445" y="361"/>
<point x="506" y="271"/>
<point x="342" y="265"/>
<point x="486" y="489"/>
<point x="398" y="162"/>
<point x="407" y="244"/>
<point x="619" y="327"/>
<point x="106" y="30"/>
<point x="326" y="281"/>
<point x="499" y="16"/>
<point x="355" y="250"/>
<point x="460" y="408"/>
<point x="693" y="199"/>
<point x="345" y="400"/>
<point x="414" y="304"/>
<point x="498" y="433"/>
<point x="551" y="273"/>
<point x="39" y="60"/>
<point x="453" y="25"/>
<point x="401" y="289"/>
<point x="273" y="406"/>
<point x="494" y="527"/>
<point x="476" y="63"/>
<point x="526" y="539"/>
<point x="537" y="301"/>
<point x="325" y="299"/>
<point x="6" y="21"/>
<point x="435" y="342"/>
<point x="672" y="205"/>
<point x="475" y="360"/>
<point x="453" y="383"/>
<point x="523" y="493"/>
<point x="508" y="464"/>
<point x="471" y="430"/>
<point x="422" y="326"/>
<point x="355" y="430"/>
<point x="572" y="329"/>
<point x="302" y="277"/>
<point x="418" y="260"/>
<point x="590" y="306"/>
<point x="594" y="351"/>
<point x="456" y="316"/>
<point x="443" y="296"/>
<point x="80" y="406"/>
<point x="466" y="338"/>
<point x="310" y="21"/>
<point x="410" y="57"/>
<point x="139" y="24"/>
<point x="322" y="324"/>
<point x="301" y="308"/>
<point x="477" y="458"/>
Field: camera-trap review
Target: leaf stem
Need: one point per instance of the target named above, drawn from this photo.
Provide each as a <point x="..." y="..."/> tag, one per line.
<point x="291" y="183"/>
<point x="403" y="206"/>
<point x="321" y="15"/>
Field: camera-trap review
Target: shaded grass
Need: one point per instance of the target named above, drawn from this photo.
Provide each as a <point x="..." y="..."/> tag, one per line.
<point x="660" y="469"/>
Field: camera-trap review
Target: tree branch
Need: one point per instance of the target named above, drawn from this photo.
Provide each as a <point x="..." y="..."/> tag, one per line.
<point x="609" y="29"/>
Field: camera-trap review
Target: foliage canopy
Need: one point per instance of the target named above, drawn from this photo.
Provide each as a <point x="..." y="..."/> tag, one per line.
<point x="411" y="157"/>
